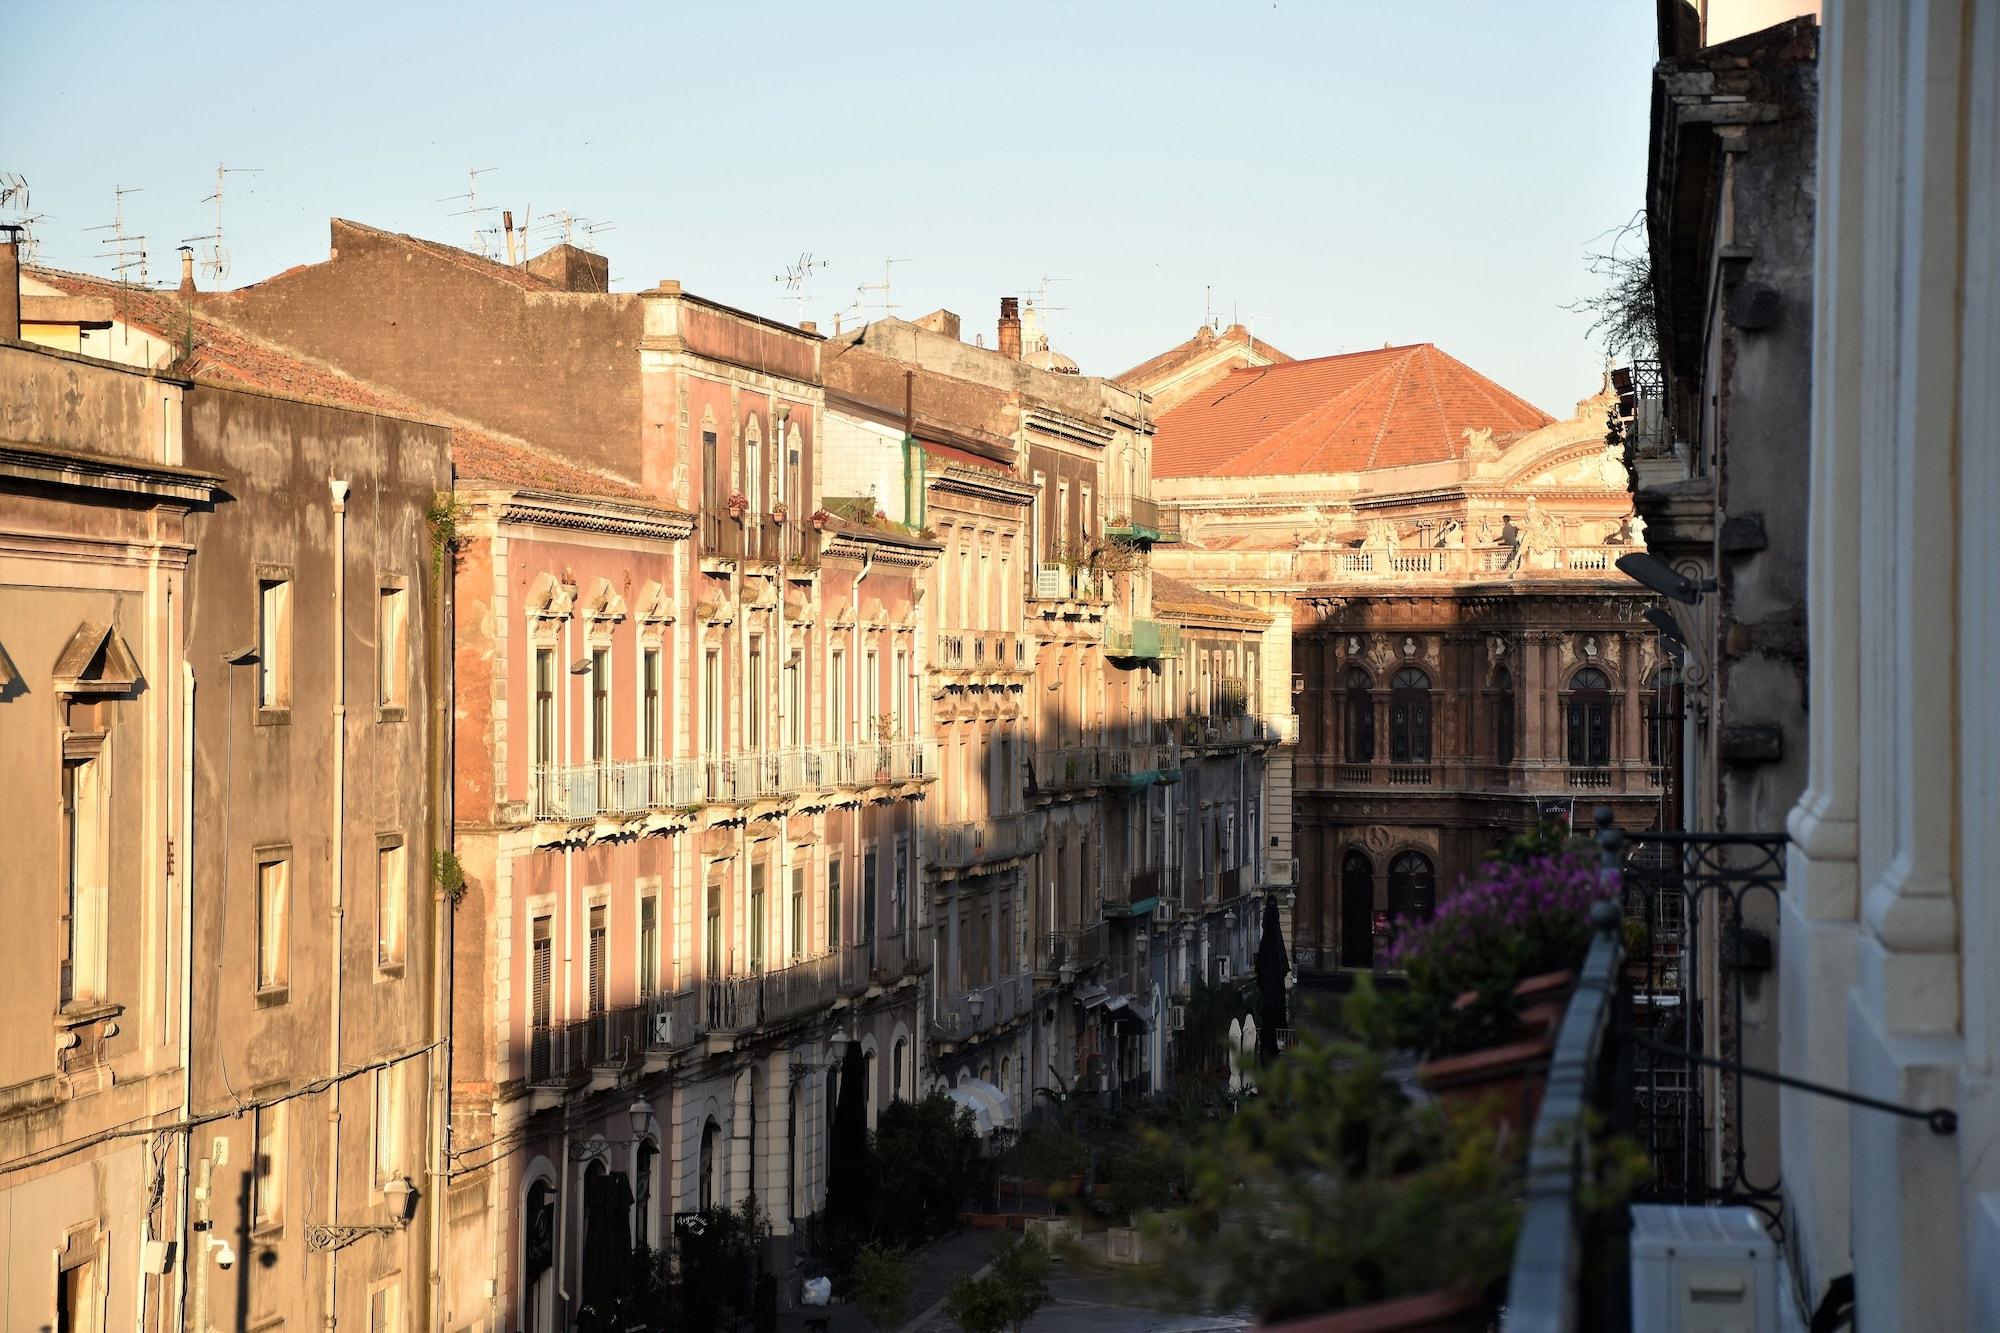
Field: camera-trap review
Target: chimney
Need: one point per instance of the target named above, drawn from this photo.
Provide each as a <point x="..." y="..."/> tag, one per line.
<point x="10" y="283"/>
<point x="187" y="274"/>
<point x="1010" y="327"/>
<point x="507" y="227"/>
<point x="808" y="326"/>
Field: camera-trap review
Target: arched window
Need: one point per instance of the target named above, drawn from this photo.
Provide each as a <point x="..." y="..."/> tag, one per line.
<point x="1410" y="717"/>
<point x="1503" y="717"/>
<point x="900" y="1059"/>
<point x="538" y="1256"/>
<point x="1588" y="719"/>
<point x="707" y="1193"/>
<point x="644" y="1163"/>
<point x="1360" y="721"/>
<point x="1412" y="887"/>
<point x="1357" y="910"/>
<point x="1663" y="717"/>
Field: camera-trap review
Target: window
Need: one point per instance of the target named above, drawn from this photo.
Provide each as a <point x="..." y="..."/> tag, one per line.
<point x="753" y="696"/>
<point x="902" y="903"/>
<point x="714" y="486"/>
<point x="711" y="1136"/>
<point x="1503" y="717"/>
<point x="600" y="705"/>
<point x="545" y="706"/>
<point x="274" y="642"/>
<point x="649" y="947"/>
<point x="712" y="945"/>
<point x="1409" y="717"/>
<point x="388" y="1124"/>
<point x="871" y="694"/>
<point x="539" y="997"/>
<point x="868" y="883"/>
<point x="392" y="903"/>
<point x="382" y="1309"/>
<point x="1360" y="720"/>
<point x="1412" y="887"/>
<point x="267" y="1179"/>
<point x="836" y="698"/>
<point x="1587" y="719"/>
<point x="711" y="703"/>
<point x="86" y="883"/>
<point x="274" y="885"/>
<point x="1663" y="717"/>
<point x="898" y="1062"/>
<point x="79" y="1304"/>
<point x="392" y="626"/>
<point x="595" y="963"/>
<point x="1357" y="909"/>
<point x="757" y="917"/>
<point x="649" y="704"/>
<point x="898" y="689"/>
<point x="798" y="933"/>
<point x="833" y="904"/>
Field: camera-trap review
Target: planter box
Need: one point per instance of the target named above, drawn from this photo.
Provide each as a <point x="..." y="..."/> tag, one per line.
<point x="1051" y="1233"/>
<point x="1505" y="1082"/>
<point x="1456" y="1311"/>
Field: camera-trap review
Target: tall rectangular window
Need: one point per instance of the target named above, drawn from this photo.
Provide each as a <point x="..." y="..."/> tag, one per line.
<point x="902" y="903"/>
<point x="274" y="886"/>
<point x="600" y="705"/>
<point x="545" y="706"/>
<point x="274" y="643"/>
<point x="798" y="923"/>
<point x="833" y="940"/>
<point x="392" y="632"/>
<point x="868" y="894"/>
<point x="757" y="917"/>
<point x="86" y="884"/>
<point x="753" y="696"/>
<point x="711" y="703"/>
<point x="267" y="1185"/>
<point x="382" y="1310"/>
<point x="540" y="994"/>
<point x="712" y="944"/>
<point x="388" y="1124"/>
<point x="649" y="710"/>
<point x="392" y="903"/>
<point x="836" y="698"/>
<point x="795" y="704"/>
<point x="595" y="963"/>
<point x="649" y="947"/>
<point x="871" y="694"/>
<point x="899" y="688"/>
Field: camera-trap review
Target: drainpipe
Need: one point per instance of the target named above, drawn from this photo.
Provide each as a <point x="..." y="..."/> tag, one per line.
<point x="186" y="867"/>
<point x="338" y="881"/>
<point x="441" y="934"/>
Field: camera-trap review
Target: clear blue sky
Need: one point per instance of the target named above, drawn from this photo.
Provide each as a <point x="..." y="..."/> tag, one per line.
<point x="1342" y="175"/>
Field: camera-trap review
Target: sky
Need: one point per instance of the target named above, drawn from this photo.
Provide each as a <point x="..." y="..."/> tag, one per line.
<point x="1335" y="176"/>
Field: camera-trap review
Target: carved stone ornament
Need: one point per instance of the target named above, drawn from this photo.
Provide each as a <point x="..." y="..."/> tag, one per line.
<point x="1353" y="646"/>
<point x="1409" y="646"/>
<point x="1376" y="838"/>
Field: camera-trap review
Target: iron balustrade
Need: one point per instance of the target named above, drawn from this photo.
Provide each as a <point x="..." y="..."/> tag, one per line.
<point x="632" y="787"/>
<point x="955" y="846"/>
<point x="983" y="1008"/>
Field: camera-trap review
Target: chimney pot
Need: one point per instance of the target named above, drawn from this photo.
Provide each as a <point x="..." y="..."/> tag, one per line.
<point x="187" y="273"/>
<point x="808" y="326"/>
<point x="10" y="283"/>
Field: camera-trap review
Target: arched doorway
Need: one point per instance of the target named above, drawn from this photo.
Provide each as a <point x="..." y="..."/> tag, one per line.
<point x="538" y="1283"/>
<point x="1412" y="887"/>
<point x="707" y="1193"/>
<point x="645" y="1164"/>
<point x="1410" y="717"/>
<point x="1587" y="717"/>
<point x="1357" y="910"/>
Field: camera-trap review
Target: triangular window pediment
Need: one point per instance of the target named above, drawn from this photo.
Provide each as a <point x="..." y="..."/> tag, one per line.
<point x="96" y="660"/>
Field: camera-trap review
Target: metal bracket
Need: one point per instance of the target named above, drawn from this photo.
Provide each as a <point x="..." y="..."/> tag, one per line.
<point x="327" y="1237"/>
<point x="1941" y="1119"/>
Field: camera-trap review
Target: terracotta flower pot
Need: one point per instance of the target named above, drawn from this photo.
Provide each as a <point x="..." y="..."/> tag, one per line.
<point x="1541" y="1001"/>
<point x="1455" y="1310"/>
<point x="1501" y="1082"/>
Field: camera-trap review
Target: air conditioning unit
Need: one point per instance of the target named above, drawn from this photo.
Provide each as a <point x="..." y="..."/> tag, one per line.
<point x="663" y="1029"/>
<point x="1698" y="1269"/>
<point x="1176" y="1017"/>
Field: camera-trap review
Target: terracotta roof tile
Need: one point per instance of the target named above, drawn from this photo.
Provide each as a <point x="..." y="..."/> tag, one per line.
<point x="1390" y="408"/>
<point x="1172" y="597"/>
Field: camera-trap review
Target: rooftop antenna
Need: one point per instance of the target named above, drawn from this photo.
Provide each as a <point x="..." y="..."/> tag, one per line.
<point x="590" y="229"/>
<point x="1208" y="306"/>
<point x="13" y="191"/>
<point x="861" y="291"/>
<point x="473" y="210"/>
<point x="794" y="280"/>
<point x="216" y="266"/>
<point x="14" y="198"/>
<point x="560" y="225"/>
<point x="127" y="253"/>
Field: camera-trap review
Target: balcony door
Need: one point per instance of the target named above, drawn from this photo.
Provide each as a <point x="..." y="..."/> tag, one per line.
<point x="1357" y="910"/>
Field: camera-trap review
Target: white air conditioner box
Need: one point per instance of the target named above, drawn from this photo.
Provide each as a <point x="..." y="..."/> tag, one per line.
<point x="1703" y="1270"/>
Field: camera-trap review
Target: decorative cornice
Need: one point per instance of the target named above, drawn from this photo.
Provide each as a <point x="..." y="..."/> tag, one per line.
<point x="980" y="484"/>
<point x="860" y="543"/>
<point x="157" y="481"/>
<point x="552" y="509"/>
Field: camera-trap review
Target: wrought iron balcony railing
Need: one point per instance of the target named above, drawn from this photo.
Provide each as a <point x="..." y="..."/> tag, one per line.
<point x="974" y="842"/>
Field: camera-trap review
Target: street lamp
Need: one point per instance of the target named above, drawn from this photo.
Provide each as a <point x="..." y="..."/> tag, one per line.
<point x="1663" y="578"/>
<point x="640" y="1111"/>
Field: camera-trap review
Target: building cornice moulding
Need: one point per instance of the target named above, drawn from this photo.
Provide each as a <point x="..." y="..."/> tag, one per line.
<point x="572" y="513"/>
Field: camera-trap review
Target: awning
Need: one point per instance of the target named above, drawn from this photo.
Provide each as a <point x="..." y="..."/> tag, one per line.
<point x="1092" y="996"/>
<point x="982" y="1117"/>
<point x="991" y="1108"/>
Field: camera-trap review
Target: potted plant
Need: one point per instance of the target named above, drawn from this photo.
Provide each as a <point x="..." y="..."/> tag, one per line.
<point x="1490" y="975"/>
<point x="738" y="503"/>
<point x="820" y="518"/>
<point x="778" y="511"/>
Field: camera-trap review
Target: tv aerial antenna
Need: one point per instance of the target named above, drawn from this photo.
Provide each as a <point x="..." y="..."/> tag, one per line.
<point x="127" y="252"/>
<point x="216" y="267"/>
<point x="14" y="199"/>
<point x="474" y="210"/>
<point x="796" y="276"/>
<point x="888" y="306"/>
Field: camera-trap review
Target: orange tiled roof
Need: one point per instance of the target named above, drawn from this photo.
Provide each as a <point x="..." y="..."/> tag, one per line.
<point x="1389" y="408"/>
<point x="1174" y="597"/>
<point x="215" y="352"/>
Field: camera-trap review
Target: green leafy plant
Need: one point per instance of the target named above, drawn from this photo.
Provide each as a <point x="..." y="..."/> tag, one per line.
<point x="449" y="873"/>
<point x="443" y="517"/>
<point x="883" y="1277"/>
<point x="1007" y="1296"/>
<point x="1050" y="1154"/>
<point x="929" y="1163"/>
<point x="716" y="1266"/>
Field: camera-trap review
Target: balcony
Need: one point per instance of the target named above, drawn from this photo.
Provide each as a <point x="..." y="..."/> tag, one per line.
<point x="1135" y="518"/>
<point x="1069" y="583"/>
<point x="1073" y="769"/>
<point x="984" y="1008"/>
<point x="1135" y="893"/>
<point x="1071" y="949"/>
<point x="1135" y="766"/>
<point x="977" y="842"/>
<point x="1652" y="1041"/>
<point x="1140" y="640"/>
<point x="622" y="787"/>
<point x="625" y="788"/>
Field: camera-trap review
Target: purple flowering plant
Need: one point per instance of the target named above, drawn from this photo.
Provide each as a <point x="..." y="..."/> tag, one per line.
<point x="1510" y="921"/>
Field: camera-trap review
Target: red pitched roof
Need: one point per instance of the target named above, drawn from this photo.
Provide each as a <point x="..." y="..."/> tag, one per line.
<point x="1172" y="597"/>
<point x="215" y="352"/>
<point x="1389" y="408"/>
